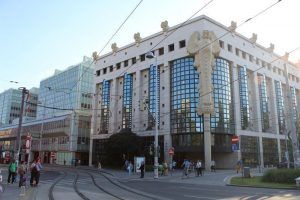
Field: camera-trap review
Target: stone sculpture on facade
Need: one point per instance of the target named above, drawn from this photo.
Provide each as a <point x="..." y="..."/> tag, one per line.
<point x="271" y="48"/>
<point x="204" y="48"/>
<point x="165" y="27"/>
<point x="114" y="48"/>
<point x="95" y="56"/>
<point x="137" y="38"/>
<point x="232" y="27"/>
<point x="253" y="38"/>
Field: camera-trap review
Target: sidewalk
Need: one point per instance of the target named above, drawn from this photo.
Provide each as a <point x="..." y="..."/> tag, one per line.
<point x="220" y="177"/>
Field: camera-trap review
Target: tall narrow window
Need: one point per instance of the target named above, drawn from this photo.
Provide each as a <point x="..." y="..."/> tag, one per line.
<point x="127" y="102"/>
<point x="280" y="106"/>
<point x="153" y="75"/>
<point x="244" y="98"/>
<point x="294" y="103"/>
<point x="105" y="107"/>
<point x="263" y="99"/>
<point x="222" y="120"/>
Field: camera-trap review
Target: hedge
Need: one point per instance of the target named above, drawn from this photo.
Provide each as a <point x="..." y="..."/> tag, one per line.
<point x="281" y="175"/>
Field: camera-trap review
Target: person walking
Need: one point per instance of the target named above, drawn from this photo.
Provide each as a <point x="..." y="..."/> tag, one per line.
<point x="33" y="172"/>
<point x="38" y="168"/>
<point x="186" y="166"/>
<point x="129" y="168"/>
<point x="199" y="168"/>
<point x="142" y="168"/>
<point x="213" y="166"/>
<point x="22" y="171"/>
<point x="12" y="169"/>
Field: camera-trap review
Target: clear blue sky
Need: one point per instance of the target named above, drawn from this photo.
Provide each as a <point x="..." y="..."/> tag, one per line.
<point x="37" y="37"/>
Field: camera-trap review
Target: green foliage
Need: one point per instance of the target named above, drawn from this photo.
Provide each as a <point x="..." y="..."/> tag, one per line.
<point x="119" y="145"/>
<point x="281" y="175"/>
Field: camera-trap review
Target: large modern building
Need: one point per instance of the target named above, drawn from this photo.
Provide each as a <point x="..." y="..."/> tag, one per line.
<point x="10" y="105"/>
<point x="222" y="96"/>
<point x="61" y="132"/>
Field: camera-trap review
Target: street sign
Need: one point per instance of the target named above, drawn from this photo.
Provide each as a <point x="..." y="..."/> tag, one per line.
<point x="171" y="151"/>
<point x="234" y="139"/>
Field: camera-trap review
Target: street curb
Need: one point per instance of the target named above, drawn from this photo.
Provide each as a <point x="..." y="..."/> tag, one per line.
<point x="252" y="186"/>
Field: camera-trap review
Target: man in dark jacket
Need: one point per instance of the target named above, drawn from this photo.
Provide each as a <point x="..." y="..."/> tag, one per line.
<point x="142" y="168"/>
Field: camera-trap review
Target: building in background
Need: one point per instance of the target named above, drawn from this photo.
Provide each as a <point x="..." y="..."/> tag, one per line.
<point x="10" y="105"/>
<point x="61" y="132"/>
<point x="249" y="97"/>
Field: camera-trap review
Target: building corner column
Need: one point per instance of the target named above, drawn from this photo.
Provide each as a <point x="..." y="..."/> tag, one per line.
<point x="207" y="141"/>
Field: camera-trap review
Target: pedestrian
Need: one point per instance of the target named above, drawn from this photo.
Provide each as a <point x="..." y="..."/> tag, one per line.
<point x="39" y="168"/>
<point x="239" y="166"/>
<point x="213" y="166"/>
<point x="99" y="165"/>
<point x="33" y="172"/>
<point x="199" y="168"/>
<point x="65" y="161"/>
<point x="142" y="168"/>
<point x="22" y="171"/>
<point x="129" y="168"/>
<point x="12" y="169"/>
<point x="126" y="163"/>
<point x="186" y="166"/>
<point x="165" y="168"/>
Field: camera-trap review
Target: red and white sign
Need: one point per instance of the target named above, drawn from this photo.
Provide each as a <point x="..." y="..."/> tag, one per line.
<point x="53" y="154"/>
<point x="28" y="143"/>
<point x="234" y="139"/>
<point x="171" y="151"/>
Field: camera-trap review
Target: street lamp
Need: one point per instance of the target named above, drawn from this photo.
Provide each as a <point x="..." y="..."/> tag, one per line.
<point x="151" y="55"/>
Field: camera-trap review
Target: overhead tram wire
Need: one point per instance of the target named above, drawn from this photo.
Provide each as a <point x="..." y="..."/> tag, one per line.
<point x="227" y="32"/>
<point x="118" y="29"/>
<point x="122" y="73"/>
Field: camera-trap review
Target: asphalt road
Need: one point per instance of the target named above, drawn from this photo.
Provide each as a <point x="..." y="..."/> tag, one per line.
<point x="178" y="191"/>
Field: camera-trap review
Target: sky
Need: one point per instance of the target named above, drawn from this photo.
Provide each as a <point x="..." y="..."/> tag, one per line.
<point x="37" y="37"/>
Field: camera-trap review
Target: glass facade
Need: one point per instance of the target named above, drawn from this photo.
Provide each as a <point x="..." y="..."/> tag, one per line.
<point x="244" y="98"/>
<point x="127" y="102"/>
<point x="185" y="122"/>
<point x="55" y="91"/>
<point x="263" y="99"/>
<point x="270" y="151"/>
<point x="105" y="113"/>
<point x="223" y="119"/>
<point x="250" y="150"/>
<point x="280" y="106"/>
<point x="294" y="103"/>
<point x="153" y="75"/>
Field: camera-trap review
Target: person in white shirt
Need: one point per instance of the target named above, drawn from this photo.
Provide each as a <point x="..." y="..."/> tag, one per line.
<point x="199" y="167"/>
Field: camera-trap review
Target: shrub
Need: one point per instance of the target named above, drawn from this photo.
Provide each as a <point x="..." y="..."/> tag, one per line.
<point x="281" y="175"/>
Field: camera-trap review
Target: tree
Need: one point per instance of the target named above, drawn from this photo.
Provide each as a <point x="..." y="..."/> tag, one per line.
<point x="120" y="146"/>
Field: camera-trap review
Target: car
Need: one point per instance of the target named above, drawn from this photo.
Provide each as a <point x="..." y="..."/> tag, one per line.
<point x="284" y="164"/>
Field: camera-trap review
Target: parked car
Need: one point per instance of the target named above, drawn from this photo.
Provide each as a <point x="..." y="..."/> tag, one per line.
<point x="284" y="164"/>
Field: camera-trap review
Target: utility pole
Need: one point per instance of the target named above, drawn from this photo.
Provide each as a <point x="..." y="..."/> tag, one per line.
<point x="18" y="141"/>
<point x="290" y="118"/>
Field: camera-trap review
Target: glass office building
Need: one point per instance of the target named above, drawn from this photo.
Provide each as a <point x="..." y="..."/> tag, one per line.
<point x="248" y="89"/>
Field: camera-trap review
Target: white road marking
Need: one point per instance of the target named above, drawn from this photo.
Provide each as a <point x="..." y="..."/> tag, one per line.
<point x="198" y="197"/>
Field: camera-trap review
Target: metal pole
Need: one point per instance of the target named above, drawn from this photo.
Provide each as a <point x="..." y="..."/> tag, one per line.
<point x="156" y="123"/>
<point x="18" y="141"/>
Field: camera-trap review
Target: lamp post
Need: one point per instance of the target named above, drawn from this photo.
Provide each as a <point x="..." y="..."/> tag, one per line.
<point x="151" y="55"/>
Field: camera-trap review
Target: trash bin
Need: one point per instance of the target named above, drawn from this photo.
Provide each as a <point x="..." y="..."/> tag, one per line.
<point x="246" y="172"/>
<point x="297" y="182"/>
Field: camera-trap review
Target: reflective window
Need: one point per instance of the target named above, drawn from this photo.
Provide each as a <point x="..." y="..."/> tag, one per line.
<point x="184" y="99"/>
<point x="153" y="75"/>
<point x="294" y="103"/>
<point x="263" y="99"/>
<point x="270" y="151"/>
<point x="223" y="119"/>
<point x="250" y="150"/>
<point x="105" y="107"/>
<point x="127" y="102"/>
<point x="280" y="106"/>
<point x="244" y="98"/>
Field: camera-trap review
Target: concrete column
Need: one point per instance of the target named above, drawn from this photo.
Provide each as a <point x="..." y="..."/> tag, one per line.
<point x="256" y="105"/>
<point x="207" y="141"/>
<point x="114" y="106"/>
<point x="237" y="106"/>
<point x="274" y="106"/>
<point x="261" y="152"/>
<point x="167" y="146"/>
<point x="279" y="149"/>
<point x="91" y="152"/>
<point x="137" y="102"/>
